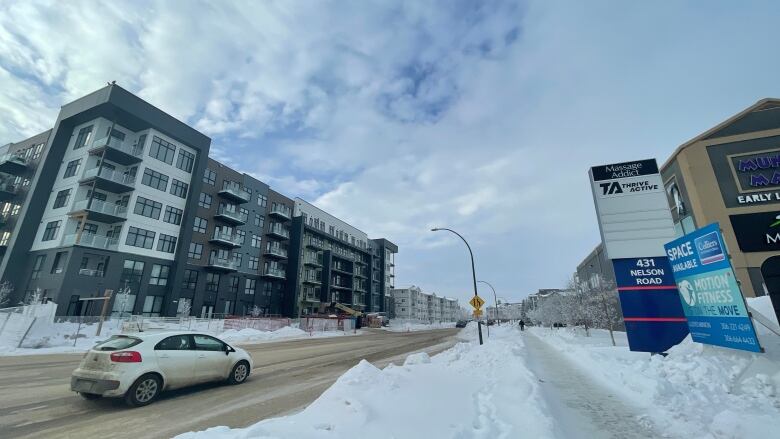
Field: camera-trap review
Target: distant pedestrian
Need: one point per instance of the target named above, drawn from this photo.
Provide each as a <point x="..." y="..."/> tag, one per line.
<point x="522" y="325"/>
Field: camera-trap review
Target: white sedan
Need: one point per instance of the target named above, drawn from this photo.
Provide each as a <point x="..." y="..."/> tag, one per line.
<point x="139" y="366"/>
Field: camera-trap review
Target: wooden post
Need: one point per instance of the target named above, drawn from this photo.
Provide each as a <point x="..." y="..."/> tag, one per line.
<point x="106" y="301"/>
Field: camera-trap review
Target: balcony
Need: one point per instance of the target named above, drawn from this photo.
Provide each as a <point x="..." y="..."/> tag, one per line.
<point x="109" y="180"/>
<point x="12" y="164"/>
<point x="341" y="285"/>
<point x="91" y="240"/>
<point x="312" y="277"/>
<point x="360" y="273"/>
<point x="222" y="264"/>
<point x="341" y="269"/>
<point x="310" y="294"/>
<point x="117" y="151"/>
<point x="308" y="260"/>
<point x="231" y="216"/>
<point x="100" y="211"/>
<point x="236" y="193"/>
<point x="316" y="243"/>
<point x="278" y="231"/>
<point x="281" y="211"/>
<point x="226" y="239"/>
<point x="8" y="191"/>
<point x="274" y="272"/>
<point x="90" y="272"/>
<point x="275" y="250"/>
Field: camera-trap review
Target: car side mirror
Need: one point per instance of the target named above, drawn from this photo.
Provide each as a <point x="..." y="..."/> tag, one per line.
<point x="228" y="350"/>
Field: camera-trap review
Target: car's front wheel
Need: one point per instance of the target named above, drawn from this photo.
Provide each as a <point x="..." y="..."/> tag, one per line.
<point x="240" y="373"/>
<point x="89" y="396"/>
<point x="144" y="390"/>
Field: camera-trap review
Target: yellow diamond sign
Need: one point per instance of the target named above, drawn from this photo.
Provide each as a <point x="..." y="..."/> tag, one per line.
<point x="476" y="302"/>
<point x="477" y="313"/>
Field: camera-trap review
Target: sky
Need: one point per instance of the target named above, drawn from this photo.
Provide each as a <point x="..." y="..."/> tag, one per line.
<point x="398" y="116"/>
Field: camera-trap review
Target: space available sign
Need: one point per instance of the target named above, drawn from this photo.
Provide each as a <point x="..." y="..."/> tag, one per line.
<point x="635" y="221"/>
<point x="709" y="294"/>
<point x="757" y="232"/>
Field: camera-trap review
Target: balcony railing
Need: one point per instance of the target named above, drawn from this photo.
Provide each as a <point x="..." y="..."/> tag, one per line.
<point x="119" y="145"/>
<point x="276" y="250"/>
<point x="101" y="207"/>
<point x="315" y="242"/>
<point x="274" y="272"/>
<point x="92" y="240"/>
<point x="227" y="238"/>
<point x="223" y="263"/>
<point x="312" y="260"/>
<point x="12" y="163"/>
<point x="278" y="230"/>
<point x="233" y="215"/>
<point x="236" y="192"/>
<point x="91" y="272"/>
<point x="281" y="210"/>
<point x="111" y="175"/>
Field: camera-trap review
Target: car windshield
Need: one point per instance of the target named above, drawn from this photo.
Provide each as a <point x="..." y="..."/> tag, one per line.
<point x="117" y="342"/>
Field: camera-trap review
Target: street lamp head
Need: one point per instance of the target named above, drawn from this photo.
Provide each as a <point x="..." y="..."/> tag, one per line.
<point x="435" y="229"/>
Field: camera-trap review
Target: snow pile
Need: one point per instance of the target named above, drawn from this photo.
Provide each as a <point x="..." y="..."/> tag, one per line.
<point x="53" y="338"/>
<point x="697" y="391"/>
<point x="467" y="391"/>
<point x="408" y="326"/>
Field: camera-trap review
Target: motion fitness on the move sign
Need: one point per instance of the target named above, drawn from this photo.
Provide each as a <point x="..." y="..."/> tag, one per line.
<point x="709" y="293"/>
<point x="635" y="223"/>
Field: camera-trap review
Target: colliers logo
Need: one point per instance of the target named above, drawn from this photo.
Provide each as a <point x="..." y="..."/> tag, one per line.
<point x="709" y="248"/>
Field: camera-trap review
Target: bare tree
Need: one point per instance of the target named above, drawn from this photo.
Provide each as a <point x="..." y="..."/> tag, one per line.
<point x="256" y="311"/>
<point x="6" y="289"/>
<point x="604" y="305"/>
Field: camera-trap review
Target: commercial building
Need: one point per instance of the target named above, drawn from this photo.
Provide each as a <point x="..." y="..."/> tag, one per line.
<point x="120" y="195"/>
<point x="414" y="305"/>
<point x="730" y="174"/>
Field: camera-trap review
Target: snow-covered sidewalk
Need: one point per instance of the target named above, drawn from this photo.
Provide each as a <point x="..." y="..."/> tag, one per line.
<point x="465" y="392"/>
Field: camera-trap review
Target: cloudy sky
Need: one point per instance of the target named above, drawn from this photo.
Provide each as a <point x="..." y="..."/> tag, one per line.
<point x="401" y="115"/>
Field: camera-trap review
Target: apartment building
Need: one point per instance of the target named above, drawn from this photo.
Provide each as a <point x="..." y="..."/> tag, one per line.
<point x="413" y="304"/>
<point x="120" y="195"/>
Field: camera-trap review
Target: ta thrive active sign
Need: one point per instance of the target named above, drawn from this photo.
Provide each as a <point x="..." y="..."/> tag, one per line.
<point x="710" y="296"/>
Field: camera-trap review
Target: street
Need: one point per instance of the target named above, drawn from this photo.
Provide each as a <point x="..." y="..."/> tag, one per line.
<point x="36" y="399"/>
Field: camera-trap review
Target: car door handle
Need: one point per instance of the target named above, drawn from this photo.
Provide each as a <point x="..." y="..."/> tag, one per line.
<point x="164" y="356"/>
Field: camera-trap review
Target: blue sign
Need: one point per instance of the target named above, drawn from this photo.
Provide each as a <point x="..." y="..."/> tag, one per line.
<point x="709" y="294"/>
<point x="650" y="303"/>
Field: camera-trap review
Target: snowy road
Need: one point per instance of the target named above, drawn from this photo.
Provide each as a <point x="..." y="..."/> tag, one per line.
<point x="582" y="407"/>
<point x="35" y="399"/>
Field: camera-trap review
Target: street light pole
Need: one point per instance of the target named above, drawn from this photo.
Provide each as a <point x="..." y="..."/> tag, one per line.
<point x="473" y="271"/>
<point x="495" y="300"/>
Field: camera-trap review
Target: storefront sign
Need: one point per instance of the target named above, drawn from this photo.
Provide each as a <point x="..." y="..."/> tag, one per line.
<point x="756" y="175"/>
<point x="635" y="222"/>
<point x="709" y="294"/>
<point x="650" y="303"/>
<point x="757" y="232"/>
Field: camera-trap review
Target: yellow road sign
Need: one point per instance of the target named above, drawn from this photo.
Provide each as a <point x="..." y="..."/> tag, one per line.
<point x="476" y="302"/>
<point x="477" y="313"/>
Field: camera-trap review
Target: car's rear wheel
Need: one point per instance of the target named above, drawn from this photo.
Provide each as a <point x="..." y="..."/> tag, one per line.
<point x="144" y="390"/>
<point x="240" y="373"/>
<point x="89" y="396"/>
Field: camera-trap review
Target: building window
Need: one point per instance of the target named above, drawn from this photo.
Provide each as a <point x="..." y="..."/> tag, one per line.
<point x="52" y="228"/>
<point x="195" y="251"/>
<point x="249" y="286"/>
<point x="185" y="160"/>
<point x="210" y="177"/>
<point x="89" y="228"/>
<point x="38" y="266"/>
<point x="254" y="262"/>
<point x="72" y="168"/>
<point x="162" y="150"/>
<point x="38" y="151"/>
<point x="238" y="258"/>
<point x="166" y="243"/>
<point x="200" y="225"/>
<point x="155" y="179"/>
<point x="204" y="200"/>
<point x="190" y="280"/>
<point x="259" y="220"/>
<point x="137" y="237"/>
<point x="255" y="241"/>
<point x="172" y="215"/>
<point x="212" y="282"/>
<point x="159" y="275"/>
<point x="148" y="208"/>
<point x="132" y="272"/>
<point x="85" y="134"/>
<point x="262" y="200"/>
<point x="233" y="284"/>
<point x="179" y="188"/>
<point x="59" y="263"/>
<point x="241" y="236"/>
<point x="62" y="198"/>
<point x="152" y="305"/>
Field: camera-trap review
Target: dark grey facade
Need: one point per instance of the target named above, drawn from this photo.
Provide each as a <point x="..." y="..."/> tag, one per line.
<point x="594" y="265"/>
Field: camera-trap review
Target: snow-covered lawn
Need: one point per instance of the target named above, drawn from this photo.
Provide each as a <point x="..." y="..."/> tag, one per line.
<point x="405" y="326"/>
<point x="249" y="335"/>
<point x="467" y="391"/>
<point x="698" y="391"/>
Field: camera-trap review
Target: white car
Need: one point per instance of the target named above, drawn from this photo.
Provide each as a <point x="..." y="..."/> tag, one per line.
<point x="139" y="366"/>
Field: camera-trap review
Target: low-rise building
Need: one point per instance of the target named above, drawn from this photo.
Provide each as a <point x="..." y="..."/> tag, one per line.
<point x="413" y="304"/>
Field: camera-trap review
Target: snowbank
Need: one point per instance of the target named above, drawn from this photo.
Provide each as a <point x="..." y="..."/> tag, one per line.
<point x="250" y="335"/>
<point x="467" y="391"/>
<point x="697" y="391"/>
<point x="406" y="326"/>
